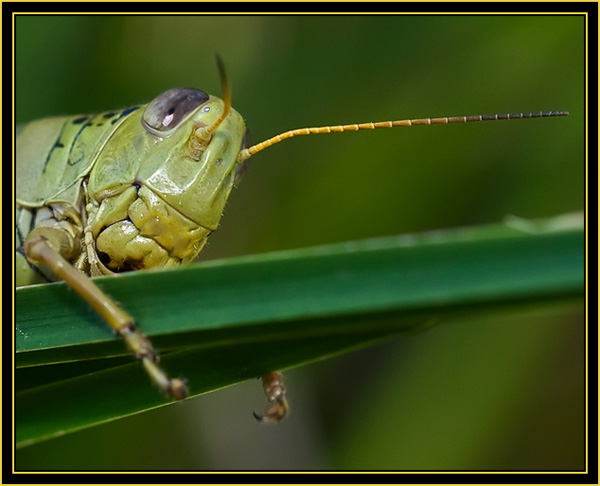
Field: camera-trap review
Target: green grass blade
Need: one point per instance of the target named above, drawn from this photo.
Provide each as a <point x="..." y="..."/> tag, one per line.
<point x="219" y="323"/>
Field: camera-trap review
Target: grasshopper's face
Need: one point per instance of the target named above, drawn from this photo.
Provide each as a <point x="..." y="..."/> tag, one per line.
<point x="197" y="176"/>
<point x="159" y="186"/>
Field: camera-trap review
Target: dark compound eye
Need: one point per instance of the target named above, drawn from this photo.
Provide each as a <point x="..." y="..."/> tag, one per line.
<point x="169" y="109"/>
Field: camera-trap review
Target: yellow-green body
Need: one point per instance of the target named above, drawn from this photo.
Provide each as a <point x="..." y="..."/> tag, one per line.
<point x="131" y="197"/>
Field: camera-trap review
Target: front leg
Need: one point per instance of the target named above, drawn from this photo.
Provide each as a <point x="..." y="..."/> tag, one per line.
<point x="47" y="245"/>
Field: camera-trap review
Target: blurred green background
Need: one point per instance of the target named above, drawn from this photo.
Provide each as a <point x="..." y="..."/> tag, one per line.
<point x="498" y="391"/>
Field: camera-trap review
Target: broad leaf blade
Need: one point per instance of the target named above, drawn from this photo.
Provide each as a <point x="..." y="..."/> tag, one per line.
<point x="231" y="320"/>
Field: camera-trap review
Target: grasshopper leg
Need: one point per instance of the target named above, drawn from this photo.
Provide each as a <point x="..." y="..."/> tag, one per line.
<point x="275" y="392"/>
<point x="40" y="247"/>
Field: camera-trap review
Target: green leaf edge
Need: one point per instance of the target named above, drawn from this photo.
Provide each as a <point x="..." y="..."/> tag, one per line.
<point x="548" y="255"/>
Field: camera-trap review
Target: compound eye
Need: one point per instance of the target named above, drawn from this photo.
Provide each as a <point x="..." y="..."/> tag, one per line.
<point x="171" y="108"/>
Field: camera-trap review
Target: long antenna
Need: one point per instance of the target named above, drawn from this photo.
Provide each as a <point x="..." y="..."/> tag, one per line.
<point x="206" y="132"/>
<point x="250" y="151"/>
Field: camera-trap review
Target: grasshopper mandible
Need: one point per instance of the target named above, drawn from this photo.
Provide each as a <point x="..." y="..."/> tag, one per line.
<point x="141" y="188"/>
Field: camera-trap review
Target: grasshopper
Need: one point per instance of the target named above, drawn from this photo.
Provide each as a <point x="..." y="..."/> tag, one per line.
<point x="141" y="188"/>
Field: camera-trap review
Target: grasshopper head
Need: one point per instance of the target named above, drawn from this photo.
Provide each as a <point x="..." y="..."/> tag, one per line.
<point x="193" y="165"/>
<point x="167" y="192"/>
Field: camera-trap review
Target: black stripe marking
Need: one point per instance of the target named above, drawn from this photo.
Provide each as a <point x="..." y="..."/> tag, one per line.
<point x="125" y="113"/>
<point x="69" y="162"/>
<point x="57" y="144"/>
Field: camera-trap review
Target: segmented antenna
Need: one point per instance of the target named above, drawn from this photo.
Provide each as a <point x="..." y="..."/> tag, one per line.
<point x="250" y="151"/>
<point x="226" y="88"/>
